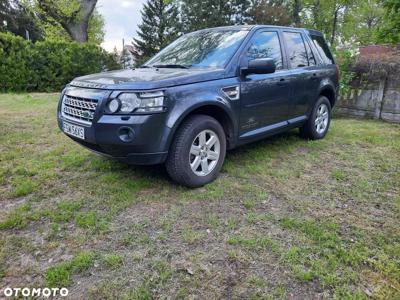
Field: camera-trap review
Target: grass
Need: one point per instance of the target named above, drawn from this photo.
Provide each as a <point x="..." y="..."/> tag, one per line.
<point x="60" y="275"/>
<point x="286" y="218"/>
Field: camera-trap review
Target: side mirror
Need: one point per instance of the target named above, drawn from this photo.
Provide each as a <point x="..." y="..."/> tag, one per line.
<point x="260" y="66"/>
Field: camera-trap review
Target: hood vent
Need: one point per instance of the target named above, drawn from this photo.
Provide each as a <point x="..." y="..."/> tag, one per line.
<point x="232" y="92"/>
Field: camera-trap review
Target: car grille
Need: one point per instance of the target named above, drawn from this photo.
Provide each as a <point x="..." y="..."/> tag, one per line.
<point x="79" y="109"/>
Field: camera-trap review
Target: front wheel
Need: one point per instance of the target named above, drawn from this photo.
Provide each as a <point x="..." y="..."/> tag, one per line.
<point x="318" y="123"/>
<point x="197" y="152"/>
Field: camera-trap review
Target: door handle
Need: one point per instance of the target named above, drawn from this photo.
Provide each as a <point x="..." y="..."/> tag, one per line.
<point x="282" y="82"/>
<point x="314" y="76"/>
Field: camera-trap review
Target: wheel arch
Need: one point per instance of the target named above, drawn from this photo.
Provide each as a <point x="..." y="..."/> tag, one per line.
<point x="212" y="109"/>
<point x="329" y="93"/>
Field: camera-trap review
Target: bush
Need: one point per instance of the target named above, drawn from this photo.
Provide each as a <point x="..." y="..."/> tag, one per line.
<point x="378" y="67"/>
<point x="48" y="65"/>
<point x="346" y="60"/>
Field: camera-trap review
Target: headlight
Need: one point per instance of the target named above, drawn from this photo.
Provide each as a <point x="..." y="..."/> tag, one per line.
<point x="151" y="102"/>
<point x="142" y="103"/>
<point x="129" y="102"/>
<point x="113" y="105"/>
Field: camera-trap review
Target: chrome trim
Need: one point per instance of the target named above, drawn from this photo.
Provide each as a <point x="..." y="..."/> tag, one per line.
<point x="232" y="92"/>
<point x="80" y="110"/>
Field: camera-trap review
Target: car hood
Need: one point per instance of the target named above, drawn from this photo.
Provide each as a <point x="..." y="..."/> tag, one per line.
<point x="147" y="78"/>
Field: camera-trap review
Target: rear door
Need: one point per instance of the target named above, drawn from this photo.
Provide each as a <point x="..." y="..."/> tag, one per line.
<point x="305" y="74"/>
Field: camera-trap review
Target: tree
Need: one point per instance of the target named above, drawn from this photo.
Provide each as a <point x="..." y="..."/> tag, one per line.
<point x="241" y="10"/>
<point x="362" y="24"/>
<point x="157" y="30"/>
<point x="199" y="14"/>
<point x="328" y="16"/>
<point x="274" y="12"/>
<point x="390" y="30"/>
<point x="15" y="18"/>
<point x="72" y="15"/>
<point x="55" y="32"/>
<point x="296" y="9"/>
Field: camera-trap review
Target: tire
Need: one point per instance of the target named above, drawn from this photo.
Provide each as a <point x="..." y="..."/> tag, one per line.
<point x="188" y="148"/>
<point x="317" y="125"/>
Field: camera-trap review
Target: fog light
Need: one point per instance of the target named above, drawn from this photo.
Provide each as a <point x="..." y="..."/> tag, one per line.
<point x="126" y="134"/>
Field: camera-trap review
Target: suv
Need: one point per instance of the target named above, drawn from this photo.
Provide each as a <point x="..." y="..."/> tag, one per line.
<point x="209" y="91"/>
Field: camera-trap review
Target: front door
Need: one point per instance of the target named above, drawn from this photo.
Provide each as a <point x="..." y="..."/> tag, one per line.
<point x="264" y="97"/>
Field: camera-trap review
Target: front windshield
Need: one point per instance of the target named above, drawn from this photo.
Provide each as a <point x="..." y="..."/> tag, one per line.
<point x="200" y="49"/>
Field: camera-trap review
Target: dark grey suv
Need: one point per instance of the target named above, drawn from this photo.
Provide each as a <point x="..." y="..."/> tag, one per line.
<point x="209" y="91"/>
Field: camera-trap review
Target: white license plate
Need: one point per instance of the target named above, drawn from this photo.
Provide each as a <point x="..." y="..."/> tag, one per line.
<point x="74" y="130"/>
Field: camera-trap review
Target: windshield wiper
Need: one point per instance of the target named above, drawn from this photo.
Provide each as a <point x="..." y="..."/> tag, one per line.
<point x="172" y="66"/>
<point x="144" y="66"/>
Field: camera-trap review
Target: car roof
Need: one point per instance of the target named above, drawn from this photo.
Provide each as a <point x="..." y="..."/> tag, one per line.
<point x="255" y="27"/>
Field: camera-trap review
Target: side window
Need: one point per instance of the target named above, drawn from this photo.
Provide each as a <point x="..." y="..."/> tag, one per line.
<point x="322" y="48"/>
<point x="296" y="49"/>
<point x="310" y="55"/>
<point x="266" y="44"/>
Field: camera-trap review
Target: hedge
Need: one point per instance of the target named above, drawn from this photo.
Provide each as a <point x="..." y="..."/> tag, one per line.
<point x="47" y="65"/>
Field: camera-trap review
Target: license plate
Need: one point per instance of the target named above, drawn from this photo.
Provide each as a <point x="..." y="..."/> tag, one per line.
<point x="74" y="130"/>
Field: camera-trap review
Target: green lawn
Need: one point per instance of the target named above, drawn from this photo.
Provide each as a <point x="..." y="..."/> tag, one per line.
<point x="287" y="218"/>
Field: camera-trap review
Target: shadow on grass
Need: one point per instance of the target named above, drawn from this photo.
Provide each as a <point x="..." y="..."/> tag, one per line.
<point x="235" y="156"/>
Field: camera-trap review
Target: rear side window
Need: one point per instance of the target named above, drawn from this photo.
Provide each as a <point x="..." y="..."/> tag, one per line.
<point x="296" y="49"/>
<point x="265" y="44"/>
<point x="323" y="49"/>
<point x="310" y="55"/>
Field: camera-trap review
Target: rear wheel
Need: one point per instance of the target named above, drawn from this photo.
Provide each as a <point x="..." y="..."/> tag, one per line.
<point x="318" y="123"/>
<point x="197" y="152"/>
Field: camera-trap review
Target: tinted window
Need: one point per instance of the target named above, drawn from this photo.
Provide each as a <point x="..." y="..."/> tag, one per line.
<point x="310" y="55"/>
<point x="296" y="50"/>
<point x="201" y="49"/>
<point x="266" y="45"/>
<point x="322" y="48"/>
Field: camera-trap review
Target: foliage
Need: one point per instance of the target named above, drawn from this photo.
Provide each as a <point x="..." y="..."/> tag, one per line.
<point x="378" y="67"/>
<point x="343" y="22"/>
<point x="55" y="32"/>
<point x="160" y="22"/>
<point x="72" y="15"/>
<point x="346" y="60"/>
<point x="205" y="14"/>
<point x="47" y="65"/>
<point x="364" y="20"/>
<point x="15" y="18"/>
<point x="390" y="30"/>
<point x="96" y="30"/>
<point x="270" y="12"/>
<point x="157" y="29"/>
<point x="371" y="68"/>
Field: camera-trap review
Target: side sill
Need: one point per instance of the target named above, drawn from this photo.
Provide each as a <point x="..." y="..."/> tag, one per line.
<point x="273" y="127"/>
<point x="263" y="130"/>
<point x="297" y="119"/>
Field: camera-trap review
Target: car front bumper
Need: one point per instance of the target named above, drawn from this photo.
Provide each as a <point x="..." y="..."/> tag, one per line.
<point x="147" y="144"/>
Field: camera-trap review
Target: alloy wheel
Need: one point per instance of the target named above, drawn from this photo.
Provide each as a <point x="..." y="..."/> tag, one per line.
<point x="322" y="119"/>
<point x="204" y="153"/>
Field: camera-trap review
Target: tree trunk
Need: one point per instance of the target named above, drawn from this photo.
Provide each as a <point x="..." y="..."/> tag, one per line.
<point x="78" y="32"/>
<point x="296" y="12"/>
<point x="77" y="24"/>
<point x="334" y="25"/>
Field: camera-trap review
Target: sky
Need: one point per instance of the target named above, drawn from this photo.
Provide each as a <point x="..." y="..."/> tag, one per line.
<point x="122" y="18"/>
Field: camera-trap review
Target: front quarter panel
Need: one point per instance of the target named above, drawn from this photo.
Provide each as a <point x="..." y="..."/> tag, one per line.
<point x="183" y="100"/>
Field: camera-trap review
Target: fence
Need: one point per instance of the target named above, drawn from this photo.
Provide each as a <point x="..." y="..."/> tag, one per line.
<point x="377" y="98"/>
